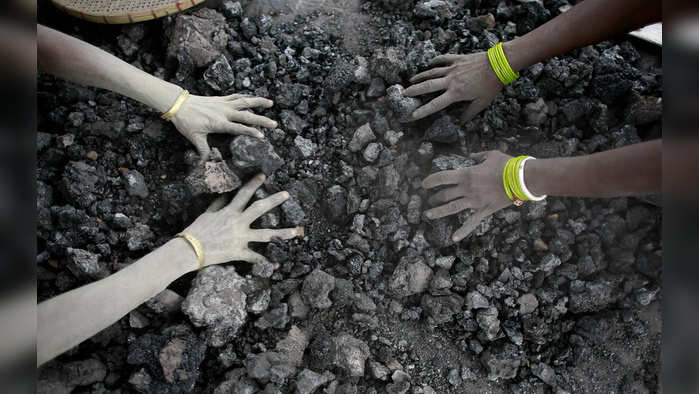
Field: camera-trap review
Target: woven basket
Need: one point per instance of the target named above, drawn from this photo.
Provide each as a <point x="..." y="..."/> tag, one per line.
<point x="122" y="11"/>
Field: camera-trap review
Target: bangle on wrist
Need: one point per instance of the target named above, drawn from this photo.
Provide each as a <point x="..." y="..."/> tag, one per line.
<point x="513" y="181"/>
<point x="176" y="106"/>
<point x="500" y="65"/>
<point x="196" y="245"/>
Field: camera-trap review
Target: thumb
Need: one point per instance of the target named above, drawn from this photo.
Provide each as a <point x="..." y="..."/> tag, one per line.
<point x="473" y="109"/>
<point x="471" y="223"/>
<point x="202" y="146"/>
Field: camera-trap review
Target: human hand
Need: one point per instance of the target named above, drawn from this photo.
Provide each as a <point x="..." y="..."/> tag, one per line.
<point x="479" y="188"/>
<point x="463" y="77"/>
<point x="202" y="115"/>
<point x="224" y="229"/>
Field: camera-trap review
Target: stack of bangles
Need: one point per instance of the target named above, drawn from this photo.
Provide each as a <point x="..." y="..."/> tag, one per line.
<point x="513" y="179"/>
<point x="500" y="65"/>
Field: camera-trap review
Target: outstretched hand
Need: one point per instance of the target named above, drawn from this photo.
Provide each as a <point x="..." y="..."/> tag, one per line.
<point x="479" y="188"/>
<point x="224" y="229"/>
<point x="201" y="115"/>
<point x="462" y="78"/>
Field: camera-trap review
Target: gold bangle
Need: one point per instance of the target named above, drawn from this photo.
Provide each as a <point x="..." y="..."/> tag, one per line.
<point x="176" y="107"/>
<point x="196" y="245"/>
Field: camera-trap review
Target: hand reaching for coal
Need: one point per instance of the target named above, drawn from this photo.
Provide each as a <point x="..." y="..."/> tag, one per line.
<point x="202" y="115"/>
<point x="462" y="78"/>
<point x="479" y="188"/>
<point x="224" y="229"/>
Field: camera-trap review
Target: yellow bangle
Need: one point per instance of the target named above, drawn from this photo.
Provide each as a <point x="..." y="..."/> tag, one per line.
<point x="196" y="245"/>
<point x="499" y="63"/>
<point x="176" y="107"/>
<point x="511" y="180"/>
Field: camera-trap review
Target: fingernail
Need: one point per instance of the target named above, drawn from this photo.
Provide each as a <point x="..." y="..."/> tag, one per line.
<point x="300" y="231"/>
<point x="455" y="238"/>
<point x="275" y="124"/>
<point x="285" y="195"/>
<point x="261" y="176"/>
<point x="261" y="136"/>
<point x="429" y="215"/>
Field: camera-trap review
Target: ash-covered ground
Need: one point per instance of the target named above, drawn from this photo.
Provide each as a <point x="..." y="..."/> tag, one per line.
<point x="558" y="296"/>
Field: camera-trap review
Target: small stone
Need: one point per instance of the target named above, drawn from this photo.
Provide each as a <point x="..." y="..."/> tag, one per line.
<point x="92" y="155"/>
<point x="392" y="137"/>
<point x="85" y="265"/>
<point x="502" y="361"/>
<point x="212" y="177"/>
<point x="362" y="136"/>
<point x="535" y="113"/>
<point x="410" y="278"/>
<point x="167" y="301"/>
<point x="549" y="263"/>
<point x="138" y="320"/>
<point x="414" y="215"/>
<point x="232" y="9"/>
<point x="445" y="262"/>
<point x="138" y="237"/>
<point x="293" y="212"/>
<point x="389" y="64"/>
<point x="276" y="318"/>
<point x="544" y="372"/>
<point x="64" y="141"/>
<point x="378" y="370"/>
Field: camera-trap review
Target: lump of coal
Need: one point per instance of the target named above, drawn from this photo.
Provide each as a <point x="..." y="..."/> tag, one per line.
<point x="336" y="204"/>
<point x="201" y="35"/>
<point x="435" y="9"/>
<point x="219" y="75"/>
<point x="217" y="302"/>
<point x="389" y="64"/>
<point x="443" y="130"/>
<point x="352" y="354"/>
<point x="275" y="318"/>
<point x="63" y="378"/>
<point x="138" y="237"/>
<point x="362" y="136"/>
<point x="212" y="177"/>
<point x="501" y="360"/>
<point x="402" y="106"/>
<point x="308" y="381"/>
<point x="80" y="183"/>
<point x="135" y="183"/>
<point x="527" y="303"/>
<point x="488" y="321"/>
<point x="85" y="265"/>
<point x="307" y="147"/>
<point x="250" y="152"/>
<point x="591" y="296"/>
<point x="316" y="288"/>
<point x="232" y="9"/>
<point x="442" y="309"/>
<point x="410" y="278"/>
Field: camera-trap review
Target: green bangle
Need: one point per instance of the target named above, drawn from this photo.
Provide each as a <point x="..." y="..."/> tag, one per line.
<point x="499" y="63"/>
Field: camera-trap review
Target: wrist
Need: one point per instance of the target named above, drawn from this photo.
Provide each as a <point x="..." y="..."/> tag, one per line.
<point x="180" y="256"/>
<point x="516" y="55"/>
<point x="536" y="176"/>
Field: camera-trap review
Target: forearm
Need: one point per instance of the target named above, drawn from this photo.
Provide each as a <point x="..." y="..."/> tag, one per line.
<point x="79" y="62"/>
<point x="70" y="318"/>
<point x="587" y="23"/>
<point x="631" y="170"/>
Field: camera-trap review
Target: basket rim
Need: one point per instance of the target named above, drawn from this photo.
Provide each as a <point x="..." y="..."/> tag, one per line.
<point x="137" y="15"/>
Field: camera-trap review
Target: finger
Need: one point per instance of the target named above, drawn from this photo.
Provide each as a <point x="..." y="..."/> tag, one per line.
<point x="433" y="106"/>
<point x="253" y="119"/>
<point x="266" y="235"/>
<point x="444" y="59"/>
<point x="251" y="257"/>
<point x="430" y="74"/>
<point x="446" y="195"/>
<point x="239" y="129"/>
<point x="218" y="203"/>
<point x="252" y="102"/>
<point x="237" y="96"/>
<point x="430" y="86"/>
<point x="448" y="177"/>
<point x="260" y="207"/>
<point x="472" y="110"/>
<point x="480" y="156"/>
<point x="447" y="209"/>
<point x="245" y="193"/>
<point x="471" y="223"/>
<point x="202" y="145"/>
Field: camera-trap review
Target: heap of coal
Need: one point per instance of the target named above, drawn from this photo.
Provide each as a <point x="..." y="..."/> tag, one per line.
<point x="557" y="296"/>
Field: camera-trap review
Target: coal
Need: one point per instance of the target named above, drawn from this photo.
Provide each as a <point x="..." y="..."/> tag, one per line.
<point x="316" y="288"/>
<point x="402" y="106"/>
<point x="254" y="153"/>
<point x="362" y="136"/>
<point x="200" y="35"/>
<point x="443" y="130"/>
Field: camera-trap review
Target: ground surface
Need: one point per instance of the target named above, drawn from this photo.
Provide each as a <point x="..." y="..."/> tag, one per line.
<point x="560" y="296"/>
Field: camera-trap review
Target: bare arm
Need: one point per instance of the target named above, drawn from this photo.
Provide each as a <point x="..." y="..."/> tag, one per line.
<point x="471" y="77"/>
<point x="631" y="170"/>
<point x="77" y="61"/>
<point x="70" y="318"/>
